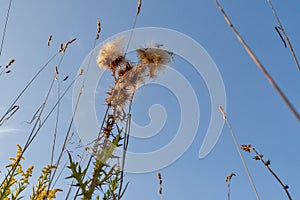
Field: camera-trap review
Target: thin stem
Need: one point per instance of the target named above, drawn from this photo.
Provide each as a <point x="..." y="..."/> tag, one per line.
<point x="34" y="134"/>
<point x="56" y="127"/>
<point x="128" y="121"/>
<point x="125" y="145"/>
<point x="5" y="27"/>
<point x="258" y="63"/>
<point x="25" y="88"/>
<point x="228" y="193"/>
<point x="267" y="164"/>
<point x="64" y="144"/>
<point x="56" y="122"/>
<point x="239" y="151"/>
<point x="133" y="26"/>
<point x="2" y="71"/>
<point x="98" y="139"/>
<point x="77" y="102"/>
<point x="53" y="108"/>
<point x="31" y="135"/>
<point x="284" y="34"/>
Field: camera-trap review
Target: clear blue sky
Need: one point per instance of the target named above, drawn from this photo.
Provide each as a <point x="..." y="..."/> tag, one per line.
<point x="257" y="114"/>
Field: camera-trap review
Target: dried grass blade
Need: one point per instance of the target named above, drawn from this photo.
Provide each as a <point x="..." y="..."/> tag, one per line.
<point x="278" y="32"/>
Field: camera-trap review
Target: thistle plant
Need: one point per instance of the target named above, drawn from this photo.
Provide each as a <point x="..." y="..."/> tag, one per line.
<point x="115" y="130"/>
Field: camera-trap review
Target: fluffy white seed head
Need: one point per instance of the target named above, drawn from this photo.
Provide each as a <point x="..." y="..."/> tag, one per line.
<point x="155" y="58"/>
<point x="110" y="51"/>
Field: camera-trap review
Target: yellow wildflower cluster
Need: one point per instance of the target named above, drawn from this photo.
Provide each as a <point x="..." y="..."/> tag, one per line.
<point x="47" y="194"/>
<point x="13" y="184"/>
<point x="41" y="190"/>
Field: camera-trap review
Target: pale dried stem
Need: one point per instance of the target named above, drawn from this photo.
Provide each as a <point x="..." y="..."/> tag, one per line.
<point x="259" y="64"/>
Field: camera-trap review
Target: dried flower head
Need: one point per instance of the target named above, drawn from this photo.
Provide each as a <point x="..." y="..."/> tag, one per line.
<point x="118" y="99"/>
<point x="133" y="78"/>
<point x="155" y="58"/>
<point x="246" y="148"/>
<point x="228" y="178"/>
<point x="139" y="7"/>
<point x="125" y="88"/>
<point x="110" y="52"/>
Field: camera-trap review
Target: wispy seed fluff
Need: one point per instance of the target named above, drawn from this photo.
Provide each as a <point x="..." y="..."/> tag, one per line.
<point x="110" y="52"/>
<point x="155" y="58"/>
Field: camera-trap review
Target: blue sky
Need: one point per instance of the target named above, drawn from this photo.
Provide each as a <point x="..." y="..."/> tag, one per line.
<point x="256" y="112"/>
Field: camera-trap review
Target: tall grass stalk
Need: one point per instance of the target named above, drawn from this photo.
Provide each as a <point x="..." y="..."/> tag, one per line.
<point x="56" y="78"/>
<point x="134" y="24"/>
<point x="239" y="151"/>
<point x="259" y="64"/>
<point x="5" y="26"/>
<point x="284" y="34"/>
<point x="78" y="100"/>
